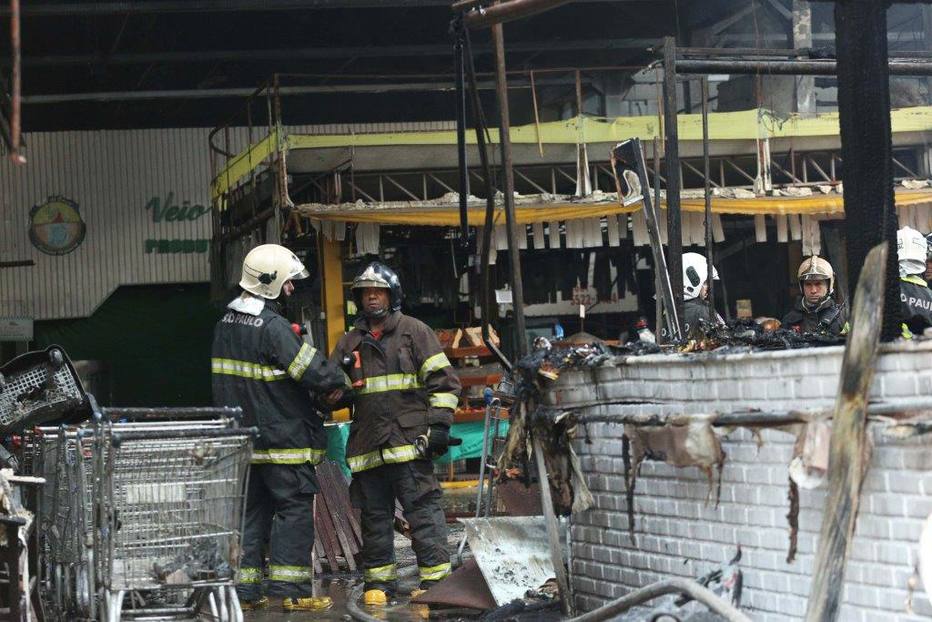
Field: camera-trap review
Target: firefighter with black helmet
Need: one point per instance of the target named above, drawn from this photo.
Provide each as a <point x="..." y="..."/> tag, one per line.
<point x="816" y="311"/>
<point x="403" y="404"/>
<point x="261" y="365"/>
<point x="912" y="252"/>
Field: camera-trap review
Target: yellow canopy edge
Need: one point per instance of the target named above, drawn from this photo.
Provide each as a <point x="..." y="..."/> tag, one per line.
<point x="443" y="216"/>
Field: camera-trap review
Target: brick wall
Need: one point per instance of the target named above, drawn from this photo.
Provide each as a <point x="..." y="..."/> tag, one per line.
<point x="678" y="534"/>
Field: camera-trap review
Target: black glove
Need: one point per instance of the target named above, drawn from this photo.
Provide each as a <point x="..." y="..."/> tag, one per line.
<point x="438" y="439"/>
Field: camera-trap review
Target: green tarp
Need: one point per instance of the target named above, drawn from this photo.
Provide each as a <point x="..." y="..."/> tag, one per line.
<point x="471" y="433"/>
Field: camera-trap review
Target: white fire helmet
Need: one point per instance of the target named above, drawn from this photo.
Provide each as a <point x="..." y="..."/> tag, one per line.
<point x="695" y="273"/>
<point x="911" y="251"/>
<point x="816" y="269"/>
<point x="266" y="268"/>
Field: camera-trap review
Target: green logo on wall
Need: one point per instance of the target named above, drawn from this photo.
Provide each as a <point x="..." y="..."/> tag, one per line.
<point x="56" y="226"/>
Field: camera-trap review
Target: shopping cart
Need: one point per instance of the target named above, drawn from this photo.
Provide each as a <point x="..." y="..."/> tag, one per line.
<point x="36" y="387"/>
<point x="153" y="519"/>
<point x="170" y="509"/>
<point x="64" y="518"/>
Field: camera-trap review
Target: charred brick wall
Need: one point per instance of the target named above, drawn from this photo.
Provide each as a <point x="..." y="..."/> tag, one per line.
<point x="678" y="533"/>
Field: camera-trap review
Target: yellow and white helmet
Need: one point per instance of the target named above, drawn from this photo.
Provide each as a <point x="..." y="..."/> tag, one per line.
<point x="816" y="269"/>
<point x="266" y="268"/>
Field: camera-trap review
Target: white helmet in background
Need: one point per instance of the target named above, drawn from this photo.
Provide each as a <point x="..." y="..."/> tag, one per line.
<point x="911" y="251"/>
<point x="695" y="274"/>
<point x="266" y="268"/>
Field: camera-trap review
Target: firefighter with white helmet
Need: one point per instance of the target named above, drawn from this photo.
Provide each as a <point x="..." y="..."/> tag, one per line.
<point x="816" y="311"/>
<point x="403" y="403"/>
<point x="259" y="364"/>
<point x="912" y="251"/>
<point x="697" y="307"/>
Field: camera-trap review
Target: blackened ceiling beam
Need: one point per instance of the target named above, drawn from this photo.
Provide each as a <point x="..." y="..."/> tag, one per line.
<point x="328" y="53"/>
<point x="51" y="9"/>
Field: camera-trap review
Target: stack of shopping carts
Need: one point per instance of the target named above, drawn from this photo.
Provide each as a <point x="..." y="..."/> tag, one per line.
<point x="141" y="519"/>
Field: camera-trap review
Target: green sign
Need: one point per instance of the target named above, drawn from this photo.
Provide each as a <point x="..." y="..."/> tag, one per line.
<point x="167" y="211"/>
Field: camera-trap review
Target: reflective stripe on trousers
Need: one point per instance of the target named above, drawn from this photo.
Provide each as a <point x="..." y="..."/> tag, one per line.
<point x="435" y="573"/>
<point x="291" y="574"/>
<point x="380" y="573"/>
<point x="388" y="455"/>
<point x="288" y="456"/>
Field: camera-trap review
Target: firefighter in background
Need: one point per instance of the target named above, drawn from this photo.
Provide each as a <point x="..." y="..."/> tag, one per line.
<point x="915" y="296"/>
<point x="816" y="311"/>
<point x="261" y="365"/>
<point x="696" y="303"/>
<point x="928" y="274"/>
<point x="403" y="402"/>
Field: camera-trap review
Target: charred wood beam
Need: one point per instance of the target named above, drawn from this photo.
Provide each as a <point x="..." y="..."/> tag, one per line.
<point x="849" y="453"/>
<point x="867" y="145"/>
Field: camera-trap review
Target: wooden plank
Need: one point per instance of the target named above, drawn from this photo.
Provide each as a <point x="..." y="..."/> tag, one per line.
<point x="318" y="553"/>
<point x="849" y="455"/>
<point x="553" y="533"/>
<point x="464" y="351"/>
<point x="337" y="491"/>
<point x="324" y="527"/>
<point x="337" y="525"/>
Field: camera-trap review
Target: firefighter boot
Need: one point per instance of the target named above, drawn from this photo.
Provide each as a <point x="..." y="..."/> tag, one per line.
<point x="377" y="594"/>
<point x="307" y="603"/>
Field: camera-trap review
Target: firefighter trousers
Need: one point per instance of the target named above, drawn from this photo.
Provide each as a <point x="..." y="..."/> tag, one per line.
<point x="280" y="512"/>
<point x="414" y="484"/>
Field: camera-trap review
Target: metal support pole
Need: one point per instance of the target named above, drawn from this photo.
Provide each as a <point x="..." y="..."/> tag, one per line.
<point x="461" y="129"/>
<point x="658" y="284"/>
<point x="919" y="67"/>
<point x="672" y="164"/>
<point x="704" y="94"/>
<point x="16" y="122"/>
<point x="514" y="253"/>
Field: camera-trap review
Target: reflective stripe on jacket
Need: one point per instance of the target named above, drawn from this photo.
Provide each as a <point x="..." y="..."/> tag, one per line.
<point x="409" y="385"/>
<point x="916" y="304"/>
<point x="259" y="364"/>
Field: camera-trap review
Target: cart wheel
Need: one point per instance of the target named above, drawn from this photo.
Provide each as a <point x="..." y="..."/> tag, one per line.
<point x="56" y="360"/>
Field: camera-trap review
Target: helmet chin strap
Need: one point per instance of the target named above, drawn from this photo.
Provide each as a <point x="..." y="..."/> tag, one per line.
<point x="376" y="315"/>
<point x="813" y="307"/>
